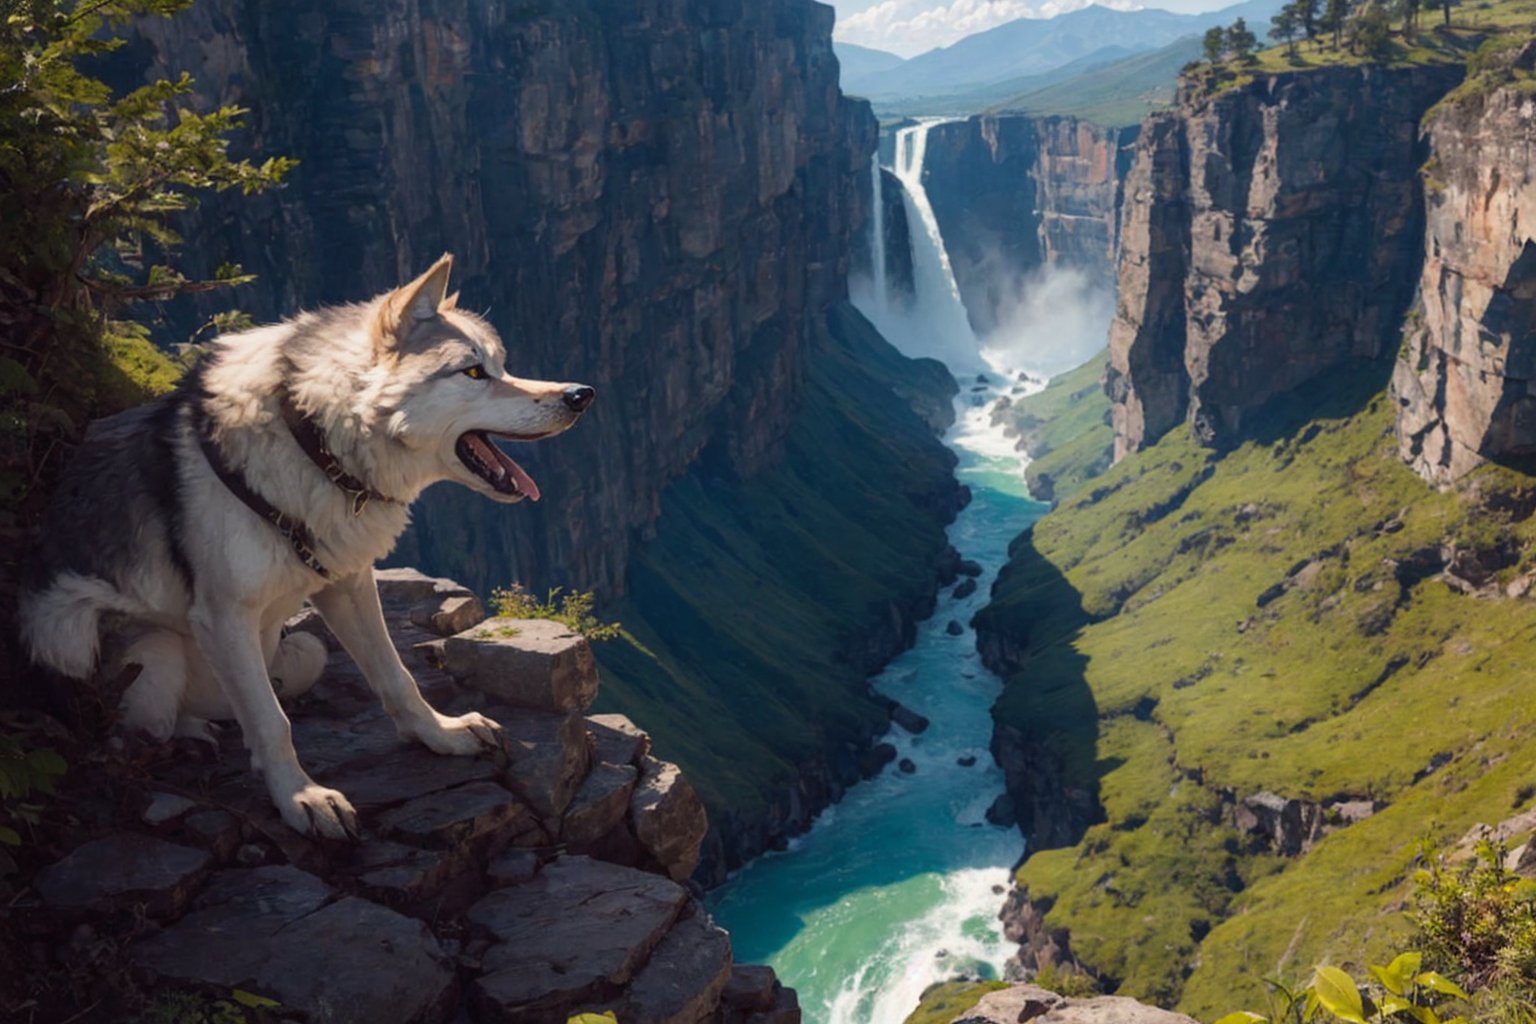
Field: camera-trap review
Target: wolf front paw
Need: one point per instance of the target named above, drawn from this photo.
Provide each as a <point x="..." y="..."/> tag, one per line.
<point x="314" y="810"/>
<point x="467" y="734"/>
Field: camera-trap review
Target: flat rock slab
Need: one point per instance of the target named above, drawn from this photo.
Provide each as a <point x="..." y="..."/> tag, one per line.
<point x="399" y="872"/>
<point x="682" y="981"/>
<point x="750" y="988"/>
<point x="600" y="804"/>
<point x="528" y="663"/>
<point x="124" y="868"/>
<point x="668" y="818"/>
<point x="433" y="603"/>
<point x="1033" y="1003"/>
<point x="274" y="932"/>
<point x="404" y="774"/>
<point x="577" y="927"/>
<point x="453" y="817"/>
<point x="618" y="740"/>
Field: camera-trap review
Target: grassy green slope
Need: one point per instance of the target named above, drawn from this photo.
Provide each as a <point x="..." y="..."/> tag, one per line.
<point x="1115" y="94"/>
<point x="1150" y="670"/>
<point x="754" y="597"/>
<point x="1065" y="429"/>
<point x="945" y="1001"/>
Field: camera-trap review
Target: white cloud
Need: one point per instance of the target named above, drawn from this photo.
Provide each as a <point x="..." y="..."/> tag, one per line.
<point x="910" y="27"/>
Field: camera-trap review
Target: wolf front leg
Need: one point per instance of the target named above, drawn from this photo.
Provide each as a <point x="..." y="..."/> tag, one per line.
<point x="350" y="607"/>
<point x="229" y="638"/>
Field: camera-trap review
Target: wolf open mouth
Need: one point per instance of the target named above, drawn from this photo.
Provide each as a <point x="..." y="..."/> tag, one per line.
<point x="492" y="465"/>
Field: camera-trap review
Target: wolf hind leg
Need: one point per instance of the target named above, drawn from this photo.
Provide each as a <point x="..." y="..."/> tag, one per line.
<point x="153" y="701"/>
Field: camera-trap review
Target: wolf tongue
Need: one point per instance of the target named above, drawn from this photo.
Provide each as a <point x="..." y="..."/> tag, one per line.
<point x="524" y="481"/>
<point x="487" y="452"/>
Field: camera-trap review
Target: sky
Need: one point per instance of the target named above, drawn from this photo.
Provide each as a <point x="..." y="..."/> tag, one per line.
<point x="910" y="27"/>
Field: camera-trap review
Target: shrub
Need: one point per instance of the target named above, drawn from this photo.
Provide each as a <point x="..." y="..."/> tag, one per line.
<point x="1478" y="919"/>
<point x="573" y="609"/>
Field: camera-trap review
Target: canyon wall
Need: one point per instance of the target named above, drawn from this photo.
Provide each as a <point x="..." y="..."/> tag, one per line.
<point x="1014" y="193"/>
<point x="1466" y="383"/>
<point x="654" y="198"/>
<point x="661" y="200"/>
<point x="1271" y="234"/>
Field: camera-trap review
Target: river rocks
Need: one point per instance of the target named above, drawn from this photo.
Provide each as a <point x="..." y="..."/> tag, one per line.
<point x="907" y="766"/>
<point x="1464" y="382"/>
<point x="908" y="719"/>
<point x="1244" y="230"/>
<point x="276" y="932"/>
<point x="122" y="869"/>
<point x="876" y="758"/>
<point x="954" y="628"/>
<point x="966" y="761"/>
<point x="964" y="589"/>
<point x="968" y="567"/>
<point x="537" y="664"/>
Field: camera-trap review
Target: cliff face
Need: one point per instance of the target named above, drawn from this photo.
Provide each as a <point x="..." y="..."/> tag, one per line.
<point x="1014" y="193"/>
<point x="1271" y="235"/>
<point x="1464" y="383"/>
<point x="657" y="200"/>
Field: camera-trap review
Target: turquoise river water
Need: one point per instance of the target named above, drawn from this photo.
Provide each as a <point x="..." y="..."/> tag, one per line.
<point x="899" y="884"/>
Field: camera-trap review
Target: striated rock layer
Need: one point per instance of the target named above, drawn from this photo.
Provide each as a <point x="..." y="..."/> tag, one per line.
<point x="1014" y="193"/>
<point x="1270" y="235"/>
<point x="654" y="199"/>
<point x="1466" y="383"/>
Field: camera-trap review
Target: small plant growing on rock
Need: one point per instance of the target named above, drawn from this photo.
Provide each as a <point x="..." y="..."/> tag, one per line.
<point x="572" y="609"/>
<point x="1479" y="920"/>
<point x="1399" y="991"/>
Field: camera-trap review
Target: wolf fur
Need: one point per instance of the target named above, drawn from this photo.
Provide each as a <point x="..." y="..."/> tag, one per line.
<point x="147" y="548"/>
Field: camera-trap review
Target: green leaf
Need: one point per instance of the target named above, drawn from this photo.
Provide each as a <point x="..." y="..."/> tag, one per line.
<point x="593" y="1018"/>
<point x="1339" y="994"/>
<point x="1243" y="1017"/>
<point x="1436" y="982"/>
<point x="1424" y="1014"/>
<point x="9" y="836"/>
<point x="1390" y="980"/>
<point x="1394" y="1004"/>
<point x="253" y="1000"/>
<point x="1406" y="965"/>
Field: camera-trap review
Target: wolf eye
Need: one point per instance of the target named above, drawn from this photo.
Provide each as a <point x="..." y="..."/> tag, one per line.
<point x="476" y="372"/>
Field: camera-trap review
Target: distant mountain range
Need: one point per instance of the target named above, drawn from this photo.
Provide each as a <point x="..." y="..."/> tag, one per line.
<point x="1029" y="47"/>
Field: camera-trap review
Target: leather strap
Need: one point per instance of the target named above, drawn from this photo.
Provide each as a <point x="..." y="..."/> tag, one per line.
<point x="308" y="435"/>
<point x="294" y="531"/>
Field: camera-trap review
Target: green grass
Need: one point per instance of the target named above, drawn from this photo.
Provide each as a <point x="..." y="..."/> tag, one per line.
<point x="1159" y="685"/>
<point x="944" y="1002"/>
<point x="752" y="604"/>
<point x="1116" y="94"/>
<point x="1065" y="428"/>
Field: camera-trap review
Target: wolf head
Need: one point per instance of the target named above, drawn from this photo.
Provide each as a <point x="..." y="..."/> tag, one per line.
<point x="446" y="394"/>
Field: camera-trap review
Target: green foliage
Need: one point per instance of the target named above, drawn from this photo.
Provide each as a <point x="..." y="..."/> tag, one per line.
<point x="574" y="609"/>
<point x="1065" y="429"/>
<point x="199" y="1008"/>
<point x="29" y="770"/>
<point x="947" y="1000"/>
<point x="1067" y="982"/>
<point x="90" y="184"/>
<point x="1478" y="919"/>
<point x="1400" y="991"/>
<point x="593" y="1018"/>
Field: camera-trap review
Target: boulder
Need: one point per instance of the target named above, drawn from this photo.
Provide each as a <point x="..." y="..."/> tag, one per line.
<point x="273" y="931"/>
<point x="164" y="807"/>
<point x="954" y="628"/>
<point x="968" y="567"/>
<point x="551" y="755"/>
<point x="439" y="605"/>
<point x="964" y="589"/>
<point x="750" y="988"/>
<point x="403" y="874"/>
<point x="122" y="869"/>
<point x="562" y="938"/>
<point x="876" y="758"/>
<point x="618" y="740"/>
<point x="682" y="981"/>
<point x="1002" y="813"/>
<point x="908" y="719"/>
<point x="599" y="804"/>
<point x="536" y="664"/>
<point x="668" y="818"/>
<point x="907" y="766"/>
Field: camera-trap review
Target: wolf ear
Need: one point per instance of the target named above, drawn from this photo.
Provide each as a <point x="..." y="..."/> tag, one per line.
<point x="412" y="303"/>
<point x="451" y="302"/>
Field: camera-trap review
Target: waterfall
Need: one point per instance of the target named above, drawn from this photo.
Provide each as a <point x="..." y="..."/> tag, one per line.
<point x="877" y="234"/>
<point x="934" y="323"/>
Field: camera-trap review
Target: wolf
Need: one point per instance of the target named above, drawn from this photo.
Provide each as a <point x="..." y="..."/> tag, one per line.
<point x="186" y="531"/>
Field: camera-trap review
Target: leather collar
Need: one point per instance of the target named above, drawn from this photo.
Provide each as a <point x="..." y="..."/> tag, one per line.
<point x="307" y="434"/>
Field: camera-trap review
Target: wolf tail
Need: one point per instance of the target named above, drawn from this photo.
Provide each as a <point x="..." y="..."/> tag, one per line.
<point x="59" y="622"/>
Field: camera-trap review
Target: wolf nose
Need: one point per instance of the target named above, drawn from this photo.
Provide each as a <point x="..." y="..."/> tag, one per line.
<point x="577" y="397"/>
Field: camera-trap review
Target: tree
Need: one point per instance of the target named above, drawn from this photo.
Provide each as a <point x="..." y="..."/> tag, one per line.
<point x="1371" y="33"/>
<point x="1306" y="11"/>
<point x="1215" y="43"/>
<point x="1409" y="9"/>
<point x="1335" y="14"/>
<point x="1284" y="26"/>
<point x="1240" y="41"/>
<point x="90" y="183"/>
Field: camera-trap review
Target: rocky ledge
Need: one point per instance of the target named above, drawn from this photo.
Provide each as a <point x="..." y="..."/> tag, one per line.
<point x="523" y="888"/>
<point x="1020" y="1003"/>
